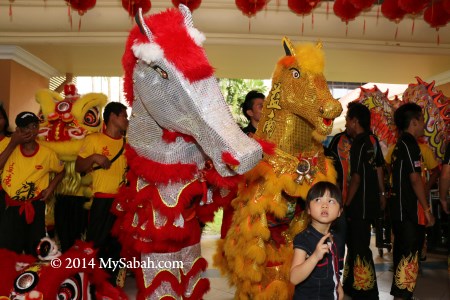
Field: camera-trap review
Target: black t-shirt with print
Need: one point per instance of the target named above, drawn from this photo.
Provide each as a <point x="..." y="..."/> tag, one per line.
<point x="323" y="280"/>
<point x="446" y="160"/>
<point x="365" y="157"/>
<point x="406" y="159"/>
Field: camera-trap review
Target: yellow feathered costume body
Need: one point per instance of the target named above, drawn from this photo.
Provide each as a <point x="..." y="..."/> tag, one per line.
<point x="297" y="116"/>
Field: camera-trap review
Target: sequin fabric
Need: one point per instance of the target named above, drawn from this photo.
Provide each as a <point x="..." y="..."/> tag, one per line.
<point x="196" y="109"/>
<point x="188" y="256"/>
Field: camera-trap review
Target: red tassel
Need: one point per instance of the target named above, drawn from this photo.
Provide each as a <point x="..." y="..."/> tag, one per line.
<point x="413" y="25"/>
<point x="328" y="8"/>
<point x="396" y="32"/>
<point x="303" y="23"/>
<point x="346" y="29"/>
<point x="10" y="11"/>
<point x="79" y="24"/>
<point x="378" y="13"/>
<point x="312" y="21"/>
<point x="229" y="159"/>
<point x="364" y="27"/>
<point x="69" y="13"/>
<point x="249" y="25"/>
<point x="268" y="147"/>
<point x="438" y="41"/>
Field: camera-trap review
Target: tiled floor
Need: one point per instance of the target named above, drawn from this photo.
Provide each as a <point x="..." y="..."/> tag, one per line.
<point x="433" y="284"/>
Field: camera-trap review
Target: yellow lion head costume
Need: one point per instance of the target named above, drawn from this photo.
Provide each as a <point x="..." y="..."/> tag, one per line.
<point x="65" y="122"/>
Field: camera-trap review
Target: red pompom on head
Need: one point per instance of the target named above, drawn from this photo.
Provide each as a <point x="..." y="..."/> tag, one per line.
<point x="302" y="7"/>
<point x="412" y="6"/>
<point x="391" y="10"/>
<point x="70" y="89"/>
<point x="132" y="6"/>
<point x="191" y="4"/>
<point x="345" y="10"/>
<point x="435" y="15"/>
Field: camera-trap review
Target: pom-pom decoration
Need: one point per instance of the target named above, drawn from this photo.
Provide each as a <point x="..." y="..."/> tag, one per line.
<point x="191" y="4"/>
<point x="132" y="6"/>
<point x="251" y="7"/>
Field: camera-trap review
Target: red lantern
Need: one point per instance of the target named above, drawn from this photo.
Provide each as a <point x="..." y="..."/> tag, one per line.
<point x="412" y="6"/>
<point x="345" y="10"/>
<point x="362" y="4"/>
<point x="192" y="4"/>
<point x="82" y="6"/>
<point x="446" y="4"/>
<point x="302" y="7"/>
<point x="132" y="6"/>
<point x="435" y="15"/>
<point x="250" y="7"/>
<point x="391" y="10"/>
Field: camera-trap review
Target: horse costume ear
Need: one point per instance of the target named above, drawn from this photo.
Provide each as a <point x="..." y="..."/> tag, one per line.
<point x="288" y="47"/>
<point x="196" y="35"/>
<point x="142" y="26"/>
<point x="187" y="15"/>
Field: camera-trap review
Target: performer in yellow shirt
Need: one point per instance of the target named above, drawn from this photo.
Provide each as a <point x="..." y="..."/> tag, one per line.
<point x="5" y="137"/>
<point x="103" y="155"/>
<point x="26" y="181"/>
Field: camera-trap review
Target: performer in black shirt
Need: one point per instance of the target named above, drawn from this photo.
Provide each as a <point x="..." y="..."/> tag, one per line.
<point x="408" y="194"/>
<point x="364" y="200"/>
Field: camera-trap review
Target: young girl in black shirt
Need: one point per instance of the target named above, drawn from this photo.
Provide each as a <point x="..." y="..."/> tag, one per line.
<point x="315" y="265"/>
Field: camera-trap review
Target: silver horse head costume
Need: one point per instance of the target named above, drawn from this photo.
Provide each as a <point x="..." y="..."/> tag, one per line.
<point x="185" y="152"/>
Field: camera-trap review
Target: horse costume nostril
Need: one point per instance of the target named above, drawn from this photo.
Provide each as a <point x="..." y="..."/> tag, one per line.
<point x="321" y="110"/>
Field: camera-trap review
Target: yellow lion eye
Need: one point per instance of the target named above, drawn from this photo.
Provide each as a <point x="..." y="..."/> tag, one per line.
<point x="91" y="118"/>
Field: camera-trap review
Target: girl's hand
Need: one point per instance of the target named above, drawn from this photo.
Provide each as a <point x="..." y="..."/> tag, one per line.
<point x="322" y="247"/>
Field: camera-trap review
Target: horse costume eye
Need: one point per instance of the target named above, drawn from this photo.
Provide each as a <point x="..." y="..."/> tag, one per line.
<point x="295" y="73"/>
<point x="160" y="71"/>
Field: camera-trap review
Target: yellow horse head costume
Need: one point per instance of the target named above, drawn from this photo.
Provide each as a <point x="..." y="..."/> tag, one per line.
<point x="297" y="116"/>
<point x="65" y="123"/>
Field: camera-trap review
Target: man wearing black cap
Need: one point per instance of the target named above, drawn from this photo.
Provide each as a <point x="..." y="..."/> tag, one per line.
<point x="26" y="181"/>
